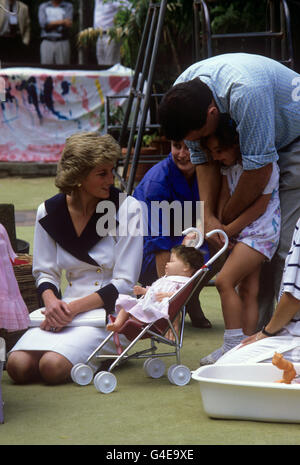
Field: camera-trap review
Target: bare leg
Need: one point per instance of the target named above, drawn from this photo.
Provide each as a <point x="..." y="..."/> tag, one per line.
<point x="242" y="262"/>
<point x="120" y="320"/>
<point x="33" y="366"/>
<point x="55" y="368"/>
<point x="23" y="366"/>
<point x="248" y="291"/>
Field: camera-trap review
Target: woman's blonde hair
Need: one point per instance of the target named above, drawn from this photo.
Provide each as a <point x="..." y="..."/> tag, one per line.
<point x="83" y="151"/>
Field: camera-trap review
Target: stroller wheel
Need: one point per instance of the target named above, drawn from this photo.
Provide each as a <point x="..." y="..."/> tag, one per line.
<point x="179" y="375"/>
<point x="145" y="364"/>
<point x="82" y="374"/>
<point x="170" y="373"/>
<point x="154" y="367"/>
<point x="105" y="382"/>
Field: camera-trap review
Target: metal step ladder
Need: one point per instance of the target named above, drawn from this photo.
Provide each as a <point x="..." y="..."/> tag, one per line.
<point x="276" y="33"/>
<point x="138" y="101"/>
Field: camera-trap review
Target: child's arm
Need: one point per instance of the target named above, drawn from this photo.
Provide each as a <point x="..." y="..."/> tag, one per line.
<point x="248" y="216"/>
<point x="224" y="196"/>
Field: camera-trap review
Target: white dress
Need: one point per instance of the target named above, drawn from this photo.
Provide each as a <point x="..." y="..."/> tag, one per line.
<point x="263" y="233"/>
<point x="117" y="261"/>
<point x="148" y="309"/>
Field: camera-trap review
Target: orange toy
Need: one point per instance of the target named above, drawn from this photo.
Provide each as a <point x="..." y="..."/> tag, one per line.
<point x="289" y="372"/>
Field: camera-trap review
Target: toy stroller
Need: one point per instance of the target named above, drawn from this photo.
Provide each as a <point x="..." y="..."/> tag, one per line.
<point x="178" y="374"/>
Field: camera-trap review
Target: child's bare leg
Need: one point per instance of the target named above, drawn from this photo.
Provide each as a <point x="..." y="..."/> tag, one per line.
<point x="119" y="321"/>
<point x="241" y="262"/>
<point x="248" y="291"/>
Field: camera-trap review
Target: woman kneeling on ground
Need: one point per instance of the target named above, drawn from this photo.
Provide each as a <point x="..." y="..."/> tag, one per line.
<point x="98" y="265"/>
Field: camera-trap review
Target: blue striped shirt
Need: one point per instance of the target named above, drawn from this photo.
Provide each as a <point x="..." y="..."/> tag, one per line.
<point x="260" y="94"/>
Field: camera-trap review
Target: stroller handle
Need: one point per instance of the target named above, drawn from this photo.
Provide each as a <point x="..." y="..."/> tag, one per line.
<point x="199" y="236"/>
<point x="218" y="231"/>
<point x="201" y="239"/>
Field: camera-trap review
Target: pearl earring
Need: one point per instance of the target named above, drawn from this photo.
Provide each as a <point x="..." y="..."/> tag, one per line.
<point x="79" y="185"/>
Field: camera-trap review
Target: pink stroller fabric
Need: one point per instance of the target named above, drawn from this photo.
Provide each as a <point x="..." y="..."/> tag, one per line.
<point x="13" y="311"/>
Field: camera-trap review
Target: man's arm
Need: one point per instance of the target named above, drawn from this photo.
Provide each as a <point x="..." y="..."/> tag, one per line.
<point x="209" y="182"/>
<point x="249" y="188"/>
<point x="223" y="197"/>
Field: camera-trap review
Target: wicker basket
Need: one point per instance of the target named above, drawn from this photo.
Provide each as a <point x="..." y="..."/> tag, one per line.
<point x="26" y="282"/>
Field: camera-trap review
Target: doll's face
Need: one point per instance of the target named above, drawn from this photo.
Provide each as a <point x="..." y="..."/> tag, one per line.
<point x="176" y="267"/>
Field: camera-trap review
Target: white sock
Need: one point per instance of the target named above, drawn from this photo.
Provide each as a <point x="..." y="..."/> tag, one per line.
<point x="232" y="337"/>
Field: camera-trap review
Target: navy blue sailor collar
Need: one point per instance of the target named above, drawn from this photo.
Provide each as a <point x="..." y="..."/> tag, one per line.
<point x="59" y="226"/>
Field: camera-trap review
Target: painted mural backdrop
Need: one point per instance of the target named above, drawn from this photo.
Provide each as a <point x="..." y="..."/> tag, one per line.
<point x="43" y="107"/>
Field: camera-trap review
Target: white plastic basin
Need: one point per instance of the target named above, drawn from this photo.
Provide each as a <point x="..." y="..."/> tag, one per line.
<point x="248" y="392"/>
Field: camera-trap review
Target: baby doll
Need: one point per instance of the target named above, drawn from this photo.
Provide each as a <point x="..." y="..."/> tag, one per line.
<point x="184" y="262"/>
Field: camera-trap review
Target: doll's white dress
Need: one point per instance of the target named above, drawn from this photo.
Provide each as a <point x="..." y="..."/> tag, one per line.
<point x="148" y="309"/>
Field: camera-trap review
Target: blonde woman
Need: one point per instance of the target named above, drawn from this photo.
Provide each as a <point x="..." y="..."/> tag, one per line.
<point x="97" y="267"/>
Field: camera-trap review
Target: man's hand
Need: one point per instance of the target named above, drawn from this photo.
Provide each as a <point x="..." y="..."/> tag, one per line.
<point x="211" y="223"/>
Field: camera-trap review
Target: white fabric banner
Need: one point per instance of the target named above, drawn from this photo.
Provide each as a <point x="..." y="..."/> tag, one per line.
<point x="43" y="107"/>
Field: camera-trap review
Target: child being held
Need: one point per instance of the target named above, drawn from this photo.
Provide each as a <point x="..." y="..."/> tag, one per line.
<point x="184" y="262"/>
<point x="254" y="237"/>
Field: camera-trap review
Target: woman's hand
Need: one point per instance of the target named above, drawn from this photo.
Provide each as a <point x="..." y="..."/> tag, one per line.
<point x="254" y="338"/>
<point x="57" y="315"/>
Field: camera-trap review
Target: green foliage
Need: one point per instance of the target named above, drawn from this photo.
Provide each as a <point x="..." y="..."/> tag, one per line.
<point x="238" y="16"/>
<point x="176" y="49"/>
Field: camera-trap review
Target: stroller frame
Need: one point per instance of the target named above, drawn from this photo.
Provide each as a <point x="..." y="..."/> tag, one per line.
<point x="178" y="374"/>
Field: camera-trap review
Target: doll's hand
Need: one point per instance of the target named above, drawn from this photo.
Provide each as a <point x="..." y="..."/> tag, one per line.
<point x="139" y="290"/>
<point x="162" y="295"/>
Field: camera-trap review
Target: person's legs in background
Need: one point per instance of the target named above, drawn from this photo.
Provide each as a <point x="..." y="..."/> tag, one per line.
<point x="289" y="189"/>
<point x="62" y="52"/>
<point x="107" y="50"/>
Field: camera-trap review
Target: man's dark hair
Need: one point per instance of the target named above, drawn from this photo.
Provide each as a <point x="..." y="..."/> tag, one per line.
<point x="184" y="108"/>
